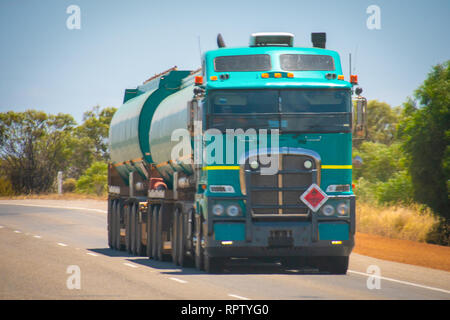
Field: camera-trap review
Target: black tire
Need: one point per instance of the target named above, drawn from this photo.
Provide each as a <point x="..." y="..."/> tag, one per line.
<point x="154" y="228"/>
<point x="118" y="211"/>
<point x="159" y="239"/>
<point x="212" y="264"/>
<point x="198" y="244"/>
<point x="109" y="221"/>
<point x="149" y="232"/>
<point x="138" y="232"/>
<point x="133" y="228"/>
<point x="113" y="224"/>
<point x="181" y="243"/>
<point x="175" y="235"/>
<point x="333" y="265"/>
<point x="128" y="228"/>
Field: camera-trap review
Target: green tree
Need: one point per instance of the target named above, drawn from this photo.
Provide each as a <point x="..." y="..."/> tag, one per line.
<point x="426" y="134"/>
<point x="94" y="180"/>
<point x="96" y="127"/>
<point x="382" y="122"/>
<point x="34" y="148"/>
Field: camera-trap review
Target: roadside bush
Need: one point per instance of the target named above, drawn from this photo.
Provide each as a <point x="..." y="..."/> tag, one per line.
<point x="69" y="185"/>
<point x="413" y="222"/>
<point x="6" y="188"/>
<point x="94" y="180"/>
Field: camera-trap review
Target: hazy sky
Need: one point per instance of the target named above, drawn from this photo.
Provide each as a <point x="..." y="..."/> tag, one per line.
<point x="44" y="65"/>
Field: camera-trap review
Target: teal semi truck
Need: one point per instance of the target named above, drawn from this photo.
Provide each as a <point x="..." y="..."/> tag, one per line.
<point x="248" y="157"/>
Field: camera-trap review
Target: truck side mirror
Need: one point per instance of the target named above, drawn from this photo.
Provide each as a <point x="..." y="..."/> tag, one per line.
<point x="359" y="116"/>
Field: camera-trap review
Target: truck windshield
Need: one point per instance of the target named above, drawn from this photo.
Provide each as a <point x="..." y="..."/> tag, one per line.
<point x="293" y="110"/>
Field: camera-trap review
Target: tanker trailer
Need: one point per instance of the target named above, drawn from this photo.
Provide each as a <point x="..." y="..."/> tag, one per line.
<point x="265" y="173"/>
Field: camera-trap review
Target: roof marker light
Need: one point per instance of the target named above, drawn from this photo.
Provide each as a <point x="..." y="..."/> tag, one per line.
<point x="290" y="75"/>
<point x="341" y="77"/>
<point x="264" y="75"/>
<point x="277" y="75"/>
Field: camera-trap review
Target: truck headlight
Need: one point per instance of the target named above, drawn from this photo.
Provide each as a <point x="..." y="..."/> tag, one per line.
<point x="233" y="210"/>
<point x="307" y="164"/>
<point x="342" y="209"/>
<point x="218" y="209"/>
<point x="254" y="164"/>
<point x="327" y="210"/>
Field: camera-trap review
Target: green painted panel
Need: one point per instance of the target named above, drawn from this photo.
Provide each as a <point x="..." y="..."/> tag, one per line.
<point x="229" y="231"/>
<point x="333" y="231"/>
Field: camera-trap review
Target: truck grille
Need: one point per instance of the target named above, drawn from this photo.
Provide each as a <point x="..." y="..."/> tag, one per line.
<point x="279" y="194"/>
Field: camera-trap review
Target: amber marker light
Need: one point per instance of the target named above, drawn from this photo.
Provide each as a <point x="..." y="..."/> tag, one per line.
<point x="341" y="77"/>
<point x="264" y="75"/>
<point x="198" y="80"/>
<point x="277" y="75"/>
<point x="213" y="78"/>
<point x="290" y="75"/>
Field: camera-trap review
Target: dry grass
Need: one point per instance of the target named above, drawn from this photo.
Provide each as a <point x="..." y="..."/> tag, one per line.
<point x="403" y="251"/>
<point x="55" y="196"/>
<point x="407" y="223"/>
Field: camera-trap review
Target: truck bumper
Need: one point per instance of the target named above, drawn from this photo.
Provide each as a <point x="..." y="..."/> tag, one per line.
<point x="281" y="239"/>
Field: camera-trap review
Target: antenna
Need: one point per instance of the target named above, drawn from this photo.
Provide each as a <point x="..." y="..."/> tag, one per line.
<point x="199" y="48"/>
<point x="349" y="65"/>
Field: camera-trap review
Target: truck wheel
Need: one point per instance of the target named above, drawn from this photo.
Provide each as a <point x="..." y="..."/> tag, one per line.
<point x="138" y="228"/>
<point x="149" y="232"/>
<point x="198" y="244"/>
<point x="113" y="224"/>
<point x="159" y="239"/>
<point x="181" y="239"/>
<point x="153" y="233"/>
<point x="128" y="228"/>
<point x="133" y="228"/>
<point x="110" y="205"/>
<point x="118" y="211"/>
<point x="333" y="265"/>
<point x="212" y="264"/>
<point x="174" y="236"/>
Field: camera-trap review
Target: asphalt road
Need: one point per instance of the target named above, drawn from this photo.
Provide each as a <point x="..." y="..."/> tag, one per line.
<point x="49" y="247"/>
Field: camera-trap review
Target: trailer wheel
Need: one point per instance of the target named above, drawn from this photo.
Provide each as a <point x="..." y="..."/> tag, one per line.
<point x="128" y="228"/>
<point x="159" y="239"/>
<point x="198" y="244"/>
<point x="175" y="235"/>
<point x="153" y="233"/>
<point x="109" y="221"/>
<point x="181" y="243"/>
<point x="113" y="224"/>
<point x="117" y="213"/>
<point x="133" y="228"/>
<point x="149" y="232"/>
<point x="138" y="228"/>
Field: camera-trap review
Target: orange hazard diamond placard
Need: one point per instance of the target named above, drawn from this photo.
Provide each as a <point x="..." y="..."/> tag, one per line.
<point x="314" y="197"/>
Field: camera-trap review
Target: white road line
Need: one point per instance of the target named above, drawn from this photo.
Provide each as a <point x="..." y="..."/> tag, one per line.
<point x="92" y="254"/>
<point x="1" y="227"/>
<point x="238" y="297"/>
<point x="130" y="265"/>
<point x="50" y="206"/>
<point x="400" y="281"/>
<point x="17" y="231"/>
<point x="37" y="237"/>
<point x="62" y="244"/>
<point x="178" y="280"/>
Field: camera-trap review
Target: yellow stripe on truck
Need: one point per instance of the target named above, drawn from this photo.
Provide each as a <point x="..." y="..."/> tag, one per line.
<point x="221" y="168"/>
<point x="332" y="166"/>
